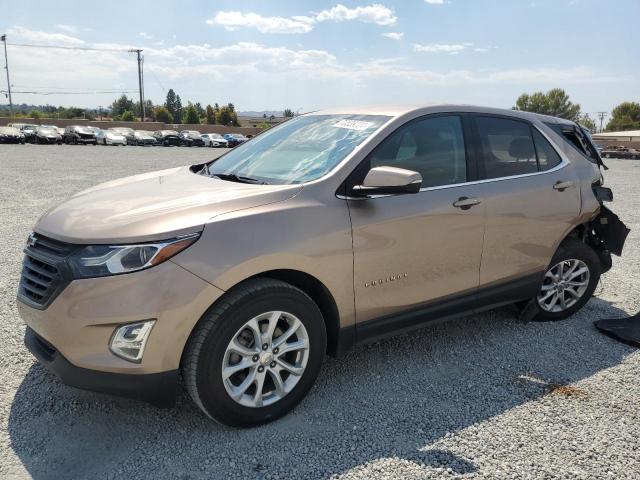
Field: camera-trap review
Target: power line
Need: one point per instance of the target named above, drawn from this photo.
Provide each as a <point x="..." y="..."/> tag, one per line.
<point x="33" y="92"/>
<point x="61" y="47"/>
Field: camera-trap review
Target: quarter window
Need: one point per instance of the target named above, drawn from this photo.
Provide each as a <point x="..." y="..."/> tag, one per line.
<point x="433" y="147"/>
<point x="507" y="147"/>
<point x="547" y="156"/>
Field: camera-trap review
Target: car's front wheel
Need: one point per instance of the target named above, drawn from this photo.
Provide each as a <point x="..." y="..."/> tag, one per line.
<point x="569" y="282"/>
<point x="255" y="354"/>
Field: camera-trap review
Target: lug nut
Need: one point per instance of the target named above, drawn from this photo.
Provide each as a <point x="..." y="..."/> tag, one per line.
<point x="276" y="350"/>
<point x="260" y="369"/>
<point x="272" y="364"/>
<point x="255" y="358"/>
<point x="265" y="346"/>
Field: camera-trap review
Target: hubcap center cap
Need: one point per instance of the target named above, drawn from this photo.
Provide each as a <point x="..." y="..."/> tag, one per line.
<point x="266" y="358"/>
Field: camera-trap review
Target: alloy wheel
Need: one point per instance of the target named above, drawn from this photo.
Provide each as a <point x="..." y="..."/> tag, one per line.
<point x="265" y="359"/>
<point x="564" y="285"/>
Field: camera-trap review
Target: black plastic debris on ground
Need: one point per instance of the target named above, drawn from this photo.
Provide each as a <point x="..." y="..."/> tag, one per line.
<point x="627" y="330"/>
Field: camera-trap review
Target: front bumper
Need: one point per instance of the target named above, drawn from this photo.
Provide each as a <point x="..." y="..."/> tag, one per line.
<point x="159" y="389"/>
<point x="81" y="320"/>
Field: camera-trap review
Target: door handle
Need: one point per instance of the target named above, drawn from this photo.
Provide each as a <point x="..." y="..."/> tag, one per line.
<point x="465" y="203"/>
<point x="561" y="186"/>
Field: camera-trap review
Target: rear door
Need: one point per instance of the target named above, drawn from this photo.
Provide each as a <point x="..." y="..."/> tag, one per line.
<point x="531" y="196"/>
<point x="415" y="249"/>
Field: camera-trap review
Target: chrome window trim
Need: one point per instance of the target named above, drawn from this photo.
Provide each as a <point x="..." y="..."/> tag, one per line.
<point x="565" y="162"/>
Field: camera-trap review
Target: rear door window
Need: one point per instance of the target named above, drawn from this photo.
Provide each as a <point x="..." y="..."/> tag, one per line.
<point x="507" y="147"/>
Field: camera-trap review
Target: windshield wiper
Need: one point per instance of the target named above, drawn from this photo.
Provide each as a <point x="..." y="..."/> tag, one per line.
<point x="232" y="177"/>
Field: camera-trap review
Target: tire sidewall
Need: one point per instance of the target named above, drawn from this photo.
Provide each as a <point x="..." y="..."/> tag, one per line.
<point x="213" y="395"/>
<point x="579" y="251"/>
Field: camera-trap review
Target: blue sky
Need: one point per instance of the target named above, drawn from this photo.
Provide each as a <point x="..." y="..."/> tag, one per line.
<point x="308" y="55"/>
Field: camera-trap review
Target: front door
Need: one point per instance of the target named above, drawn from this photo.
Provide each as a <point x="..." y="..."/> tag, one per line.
<point x="416" y="249"/>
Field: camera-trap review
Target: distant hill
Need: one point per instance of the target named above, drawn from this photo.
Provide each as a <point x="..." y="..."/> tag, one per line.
<point x="255" y="114"/>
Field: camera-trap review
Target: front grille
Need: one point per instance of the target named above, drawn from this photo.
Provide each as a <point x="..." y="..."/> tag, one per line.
<point x="44" y="272"/>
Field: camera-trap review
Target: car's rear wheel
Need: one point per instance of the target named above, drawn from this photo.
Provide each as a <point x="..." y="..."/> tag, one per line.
<point x="255" y="354"/>
<point x="569" y="282"/>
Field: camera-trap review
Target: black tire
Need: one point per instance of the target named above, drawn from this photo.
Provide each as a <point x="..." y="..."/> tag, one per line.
<point x="204" y="354"/>
<point x="573" y="249"/>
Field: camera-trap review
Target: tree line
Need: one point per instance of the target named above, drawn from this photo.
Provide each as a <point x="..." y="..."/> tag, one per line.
<point x="555" y="102"/>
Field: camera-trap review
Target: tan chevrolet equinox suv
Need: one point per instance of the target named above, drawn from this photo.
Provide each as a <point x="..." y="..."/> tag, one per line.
<point x="334" y="228"/>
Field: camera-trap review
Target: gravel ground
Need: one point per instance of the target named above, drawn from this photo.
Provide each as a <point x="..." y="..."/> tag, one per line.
<point x="479" y="397"/>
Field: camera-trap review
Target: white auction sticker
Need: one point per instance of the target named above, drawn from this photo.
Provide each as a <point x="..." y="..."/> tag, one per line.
<point x="358" y="125"/>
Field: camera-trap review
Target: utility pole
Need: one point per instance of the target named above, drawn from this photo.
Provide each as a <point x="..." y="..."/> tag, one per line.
<point x="3" y="38"/>
<point x="140" y="82"/>
<point x="601" y="116"/>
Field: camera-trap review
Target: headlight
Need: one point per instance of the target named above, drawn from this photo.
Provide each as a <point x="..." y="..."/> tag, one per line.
<point x="104" y="260"/>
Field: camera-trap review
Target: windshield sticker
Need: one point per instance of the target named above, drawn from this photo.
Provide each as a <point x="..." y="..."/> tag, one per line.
<point x="358" y="125"/>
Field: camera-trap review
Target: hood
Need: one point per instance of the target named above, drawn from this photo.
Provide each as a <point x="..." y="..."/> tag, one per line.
<point x="153" y="206"/>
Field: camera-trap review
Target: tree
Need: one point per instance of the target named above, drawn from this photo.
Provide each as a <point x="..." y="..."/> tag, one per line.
<point x="191" y="114"/>
<point x="224" y="116"/>
<point x="171" y="104"/>
<point x="163" y="115"/>
<point x="128" y="116"/>
<point x="625" y="116"/>
<point x="555" y="102"/>
<point x="288" y="113"/>
<point x="179" y="111"/>
<point x="35" y="114"/>
<point x="199" y="109"/>
<point x="121" y="105"/>
<point x="586" y="121"/>
<point x="211" y="115"/>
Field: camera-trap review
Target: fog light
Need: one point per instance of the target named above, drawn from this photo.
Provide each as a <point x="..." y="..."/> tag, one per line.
<point x="128" y="341"/>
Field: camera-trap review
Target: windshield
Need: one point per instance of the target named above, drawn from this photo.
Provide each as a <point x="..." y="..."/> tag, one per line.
<point x="143" y="133"/>
<point x="48" y="130"/>
<point x="299" y="150"/>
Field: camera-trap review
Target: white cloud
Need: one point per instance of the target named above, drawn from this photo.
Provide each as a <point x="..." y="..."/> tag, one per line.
<point x="233" y="20"/>
<point x="145" y="35"/>
<point x="66" y="28"/>
<point x="450" y="48"/>
<point x="27" y="35"/>
<point x="376" y="13"/>
<point x="312" y="77"/>
<point x="435" y="2"/>
<point x="394" y="35"/>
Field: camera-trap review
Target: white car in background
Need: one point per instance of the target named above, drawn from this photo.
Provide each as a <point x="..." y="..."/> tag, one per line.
<point x="110" y="137"/>
<point x="214" y="140"/>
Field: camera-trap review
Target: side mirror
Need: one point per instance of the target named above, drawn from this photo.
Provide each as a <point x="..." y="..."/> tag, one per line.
<point x="388" y="181"/>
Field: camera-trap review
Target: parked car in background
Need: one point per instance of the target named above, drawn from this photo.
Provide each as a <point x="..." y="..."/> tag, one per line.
<point x="29" y="132"/>
<point x="127" y="132"/>
<point x="142" y="138"/>
<point x="234" y="139"/>
<point x="47" y="134"/>
<point x="618" y="151"/>
<point x="75" y="134"/>
<point x="110" y="137"/>
<point x="60" y="130"/>
<point x="11" y="135"/>
<point x="167" y="138"/>
<point x="191" y="138"/>
<point x="214" y="140"/>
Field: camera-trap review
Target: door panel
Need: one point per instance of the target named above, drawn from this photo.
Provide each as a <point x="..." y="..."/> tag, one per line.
<point x="526" y="218"/>
<point x="413" y="249"/>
